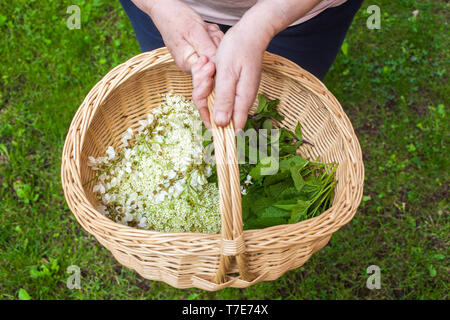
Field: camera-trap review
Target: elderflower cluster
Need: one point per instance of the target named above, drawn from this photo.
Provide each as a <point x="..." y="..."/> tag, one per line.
<point x="157" y="178"/>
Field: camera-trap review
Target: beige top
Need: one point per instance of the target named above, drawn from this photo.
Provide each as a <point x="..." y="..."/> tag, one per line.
<point x="229" y="12"/>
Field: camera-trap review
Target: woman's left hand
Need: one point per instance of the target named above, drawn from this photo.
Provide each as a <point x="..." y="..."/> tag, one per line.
<point x="238" y="73"/>
<point x="239" y="57"/>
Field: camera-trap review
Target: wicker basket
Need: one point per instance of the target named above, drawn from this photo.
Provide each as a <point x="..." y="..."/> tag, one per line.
<point x="234" y="258"/>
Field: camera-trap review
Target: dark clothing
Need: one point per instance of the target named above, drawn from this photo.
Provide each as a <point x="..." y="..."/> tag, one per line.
<point x="313" y="44"/>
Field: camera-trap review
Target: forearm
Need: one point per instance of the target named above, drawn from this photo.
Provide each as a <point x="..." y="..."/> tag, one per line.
<point x="150" y="6"/>
<point x="268" y="17"/>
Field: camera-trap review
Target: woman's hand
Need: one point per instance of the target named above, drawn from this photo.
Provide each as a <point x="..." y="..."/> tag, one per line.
<point x="198" y="47"/>
<point x="239" y="56"/>
<point x="238" y="67"/>
<point x="191" y="41"/>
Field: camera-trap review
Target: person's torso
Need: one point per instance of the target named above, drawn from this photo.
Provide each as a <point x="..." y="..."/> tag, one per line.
<point x="228" y="12"/>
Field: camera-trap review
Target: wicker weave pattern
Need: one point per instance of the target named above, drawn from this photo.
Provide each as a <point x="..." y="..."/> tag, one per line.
<point x="127" y="93"/>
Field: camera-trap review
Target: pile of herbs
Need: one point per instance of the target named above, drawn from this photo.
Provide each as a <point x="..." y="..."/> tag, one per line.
<point x="297" y="190"/>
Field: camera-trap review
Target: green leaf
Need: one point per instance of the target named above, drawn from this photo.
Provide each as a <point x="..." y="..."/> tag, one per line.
<point x="439" y="256"/>
<point x="287" y="205"/>
<point x="289" y="193"/>
<point x="245" y="207"/>
<point x="272" y="104"/>
<point x="298" y="132"/>
<point x="273" y="212"/>
<point x="23" y="295"/>
<point x="273" y="179"/>
<point x="432" y="270"/>
<point x="299" y="183"/>
<point x="312" y="186"/>
<point x="34" y="273"/>
<point x="264" y="222"/>
<point x="299" y="212"/>
<point x="260" y="204"/>
<point x="344" y="48"/>
<point x="293" y="161"/>
<point x="275" y="190"/>
<point x="262" y="103"/>
<point x="256" y="173"/>
<point x="268" y="125"/>
<point x="2" y="20"/>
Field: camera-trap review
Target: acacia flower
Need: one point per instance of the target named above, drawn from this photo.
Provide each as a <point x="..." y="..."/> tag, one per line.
<point x="157" y="178"/>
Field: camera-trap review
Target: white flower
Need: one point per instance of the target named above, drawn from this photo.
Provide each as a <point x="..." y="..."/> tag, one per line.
<point x="128" y="217"/>
<point x="208" y="171"/>
<point x="114" y="182"/>
<point x="146" y="185"/>
<point x="150" y="118"/>
<point x="142" y="223"/>
<point x="201" y="180"/>
<point x="243" y="191"/>
<point x="102" y="209"/>
<point x="99" y="188"/>
<point x="107" y="198"/>
<point x="194" y="178"/>
<point x="127" y="153"/>
<point x="160" y="197"/>
<point x="92" y="162"/>
<point x="171" y="174"/>
<point x="179" y="188"/>
<point x="248" y="180"/>
<point x="127" y="136"/>
<point x="143" y="123"/>
<point x="158" y="139"/>
<point x="111" y="153"/>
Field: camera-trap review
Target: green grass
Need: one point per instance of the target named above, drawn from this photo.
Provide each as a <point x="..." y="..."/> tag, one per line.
<point x="392" y="83"/>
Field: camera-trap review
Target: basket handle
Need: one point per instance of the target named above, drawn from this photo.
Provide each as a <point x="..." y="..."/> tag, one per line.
<point x="230" y="198"/>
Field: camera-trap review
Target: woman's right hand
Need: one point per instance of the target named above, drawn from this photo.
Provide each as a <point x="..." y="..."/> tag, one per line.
<point x="191" y="41"/>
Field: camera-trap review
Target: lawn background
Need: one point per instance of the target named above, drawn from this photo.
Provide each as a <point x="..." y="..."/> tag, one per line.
<point x="392" y="83"/>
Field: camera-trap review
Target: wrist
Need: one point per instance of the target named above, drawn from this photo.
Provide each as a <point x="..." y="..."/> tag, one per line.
<point x="268" y="17"/>
<point x="255" y="34"/>
<point x="150" y="7"/>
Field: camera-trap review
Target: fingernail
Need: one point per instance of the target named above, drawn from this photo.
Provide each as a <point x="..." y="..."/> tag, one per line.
<point x="221" y="117"/>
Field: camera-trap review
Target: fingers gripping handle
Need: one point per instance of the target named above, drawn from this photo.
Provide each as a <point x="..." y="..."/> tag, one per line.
<point x="230" y="197"/>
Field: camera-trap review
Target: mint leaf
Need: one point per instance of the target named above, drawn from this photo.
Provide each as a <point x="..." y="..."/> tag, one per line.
<point x="293" y="161"/>
<point x="298" y="132"/>
<point x="268" y="125"/>
<point x="299" y="212"/>
<point x="280" y="176"/>
<point x="260" y="204"/>
<point x="289" y="193"/>
<point x="275" y="190"/>
<point x="264" y="222"/>
<point x="262" y="103"/>
<point x="257" y="173"/>
<point x="272" y="212"/>
<point x="299" y="183"/>
<point x="286" y="207"/>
